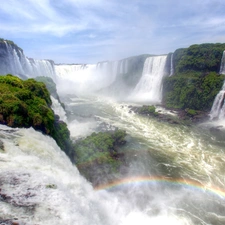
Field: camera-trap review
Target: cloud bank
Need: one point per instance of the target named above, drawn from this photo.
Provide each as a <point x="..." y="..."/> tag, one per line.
<point x="87" y="31"/>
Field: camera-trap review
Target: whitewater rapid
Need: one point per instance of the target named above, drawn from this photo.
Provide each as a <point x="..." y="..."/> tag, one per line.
<point x="39" y="185"/>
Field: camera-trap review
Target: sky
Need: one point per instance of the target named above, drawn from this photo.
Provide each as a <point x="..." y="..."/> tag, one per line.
<point x="90" y="31"/>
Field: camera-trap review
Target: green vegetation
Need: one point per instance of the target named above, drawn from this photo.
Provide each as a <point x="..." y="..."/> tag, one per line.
<point x="147" y="110"/>
<point x="51" y="186"/>
<point x="98" y="151"/>
<point x="10" y="43"/>
<point x="27" y="104"/>
<point x="201" y="58"/>
<point x="50" y="85"/>
<point x="196" y="81"/>
<point x="189" y="91"/>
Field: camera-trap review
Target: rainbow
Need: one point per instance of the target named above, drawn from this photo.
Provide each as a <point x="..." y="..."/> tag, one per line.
<point x="164" y="180"/>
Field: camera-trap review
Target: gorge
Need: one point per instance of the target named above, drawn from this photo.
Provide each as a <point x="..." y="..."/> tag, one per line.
<point x="166" y="173"/>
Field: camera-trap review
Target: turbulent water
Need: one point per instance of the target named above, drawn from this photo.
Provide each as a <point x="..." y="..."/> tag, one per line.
<point x="172" y="174"/>
<point x="175" y="174"/>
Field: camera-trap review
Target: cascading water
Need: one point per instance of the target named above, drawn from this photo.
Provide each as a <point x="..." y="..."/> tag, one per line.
<point x="222" y="66"/>
<point x="39" y="185"/>
<point x="58" y="109"/>
<point x="171" y="66"/>
<point x="19" y="64"/>
<point x="172" y="174"/>
<point x="149" y="87"/>
<point x="218" y="108"/>
<point x="86" y="78"/>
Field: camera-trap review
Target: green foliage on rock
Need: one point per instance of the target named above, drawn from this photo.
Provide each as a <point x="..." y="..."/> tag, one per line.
<point x="27" y="104"/>
<point x="190" y="91"/>
<point x="98" y="151"/>
<point x="61" y="134"/>
<point x="147" y="110"/>
<point x="201" y="58"/>
<point x="196" y="81"/>
<point x="50" y="84"/>
<point x="2" y="41"/>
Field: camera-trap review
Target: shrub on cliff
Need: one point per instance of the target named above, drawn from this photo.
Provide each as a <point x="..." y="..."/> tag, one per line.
<point x="196" y="81"/>
<point x="50" y="85"/>
<point x="98" y="154"/>
<point x="201" y="58"/>
<point x="191" y="91"/>
<point x="27" y="104"/>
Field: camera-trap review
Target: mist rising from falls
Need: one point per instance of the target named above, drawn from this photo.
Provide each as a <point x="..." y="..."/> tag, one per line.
<point x="149" y="87"/>
<point x="83" y="79"/>
<point x="16" y="63"/>
<point x="121" y="79"/>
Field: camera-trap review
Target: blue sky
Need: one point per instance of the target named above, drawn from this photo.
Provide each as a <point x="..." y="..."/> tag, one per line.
<point x="88" y="31"/>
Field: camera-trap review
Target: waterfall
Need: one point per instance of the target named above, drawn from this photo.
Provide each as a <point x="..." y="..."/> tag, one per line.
<point x="18" y="64"/>
<point x="39" y="185"/>
<point x="58" y="109"/>
<point x="123" y="66"/>
<point x="149" y="87"/>
<point x="171" y="66"/>
<point x="218" y="108"/>
<point x="114" y="69"/>
<point x="65" y="71"/>
<point x="87" y="78"/>
<point x="222" y="65"/>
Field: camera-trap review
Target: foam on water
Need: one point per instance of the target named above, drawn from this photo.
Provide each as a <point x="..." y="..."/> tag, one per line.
<point x="39" y="185"/>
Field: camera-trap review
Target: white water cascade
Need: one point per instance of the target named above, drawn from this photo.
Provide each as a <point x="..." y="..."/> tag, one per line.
<point x="87" y="78"/>
<point x="39" y="185"/>
<point x="19" y="64"/>
<point x="218" y="108"/>
<point x="171" y="66"/>
<point x="149" y="87"/>
<point x="58" y="109"/>
<point x="222" y="66"/>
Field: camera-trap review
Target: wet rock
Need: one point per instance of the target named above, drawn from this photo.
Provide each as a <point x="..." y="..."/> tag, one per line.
<point x="1" y="146"/>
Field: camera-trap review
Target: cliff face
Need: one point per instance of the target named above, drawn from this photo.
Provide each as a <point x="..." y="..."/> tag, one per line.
<point x="28" y="104"/>
<point x="5" y="55"/>
<point x="191" y="78"/>
<point x="196" y="79"/>
<point x="13" y="61"/>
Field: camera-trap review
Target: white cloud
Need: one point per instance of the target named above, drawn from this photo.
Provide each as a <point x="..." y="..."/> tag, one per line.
<point x="115" y="28"/>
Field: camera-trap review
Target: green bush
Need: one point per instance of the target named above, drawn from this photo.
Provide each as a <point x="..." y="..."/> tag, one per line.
<point x="98" y="153"/>
<point x="189" y="91"/>
<point x="27" y="104"/>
